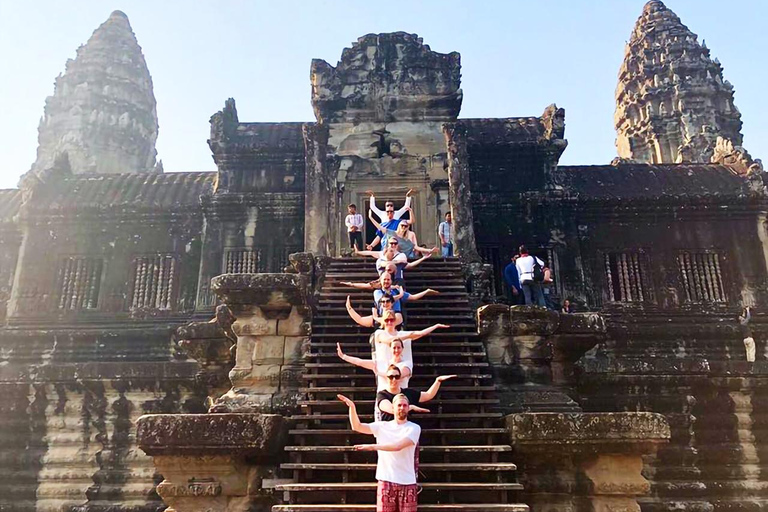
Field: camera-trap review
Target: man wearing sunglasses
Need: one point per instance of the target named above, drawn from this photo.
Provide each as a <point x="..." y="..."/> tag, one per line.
<point x="397" y="444"/>
<point x="383" y="214"/>
<point x="388" y="222"/>
<point x="385" y="397"/>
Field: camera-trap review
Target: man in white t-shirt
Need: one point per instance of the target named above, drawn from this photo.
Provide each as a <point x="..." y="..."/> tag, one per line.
<point x="396" y="444"/>
<point x="528" y="283"/>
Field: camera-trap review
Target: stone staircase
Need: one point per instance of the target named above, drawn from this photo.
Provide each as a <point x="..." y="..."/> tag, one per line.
<point x="464" y="455"/>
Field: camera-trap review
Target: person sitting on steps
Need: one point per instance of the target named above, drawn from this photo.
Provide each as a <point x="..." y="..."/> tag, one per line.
<point x="406" y="239"/>
<point x="379" y="367"/>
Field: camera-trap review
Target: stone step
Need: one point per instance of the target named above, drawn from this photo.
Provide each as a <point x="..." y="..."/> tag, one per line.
<point x="444" y="333"/>
<point x="437" y="448"/>
<point x="443" y="507"/>
<point x="423" y="345"/>
<point x="422" y="365"/>
<point x="419" y="308"/>
<point x="425" y="431"/>
<point x="372" y="389"/>
<point x="427" y="405"/>
<point x="417" y="354"/>
<point x="415" y="378"/>
<point x="427" y="466"/>
<point x="422" y="416"/>
<point x="413" y="318"/>
<point x="371" y="486"/>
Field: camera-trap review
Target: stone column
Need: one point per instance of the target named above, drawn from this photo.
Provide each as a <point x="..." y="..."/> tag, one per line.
<point x="532" y="352"/>
<point x="222" y="460"/>
<point x="320" y="203"/>
<point x="214" y="461"/>
<point x="273" y="322"/>
<point x="583" y="462"/>
<point x="459" y="192"/>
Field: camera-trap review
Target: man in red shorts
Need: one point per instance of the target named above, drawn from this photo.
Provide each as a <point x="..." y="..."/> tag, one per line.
<point x="396" y="444"/>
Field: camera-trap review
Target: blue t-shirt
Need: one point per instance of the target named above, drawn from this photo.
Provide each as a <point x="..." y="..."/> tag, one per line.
<point x="388" y="224"/>
<point x="378" y="294"/>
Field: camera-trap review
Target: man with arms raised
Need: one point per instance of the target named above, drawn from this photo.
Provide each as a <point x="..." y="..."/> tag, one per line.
<point x="396" y="443"/>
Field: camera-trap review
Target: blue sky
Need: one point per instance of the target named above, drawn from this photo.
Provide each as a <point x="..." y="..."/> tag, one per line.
<point x="517" y="58"/>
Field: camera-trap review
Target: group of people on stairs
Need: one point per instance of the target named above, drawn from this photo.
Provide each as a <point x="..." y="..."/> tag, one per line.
<point x="391" y="362"/>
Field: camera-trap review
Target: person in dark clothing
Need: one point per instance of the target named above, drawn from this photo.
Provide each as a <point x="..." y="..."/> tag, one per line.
<point x="415" y="398"/>
<point x="512" y="280"/>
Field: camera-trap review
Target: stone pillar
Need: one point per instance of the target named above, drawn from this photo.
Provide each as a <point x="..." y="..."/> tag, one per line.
<point x="583" y="462"/>
<point x="459" y="192"/>
<point x="273" y="322"/>
<point x="214" y="461"/>
<point x="532" y="352"/>
<point x="320" y="204"/>
<point x="220" y="461"/>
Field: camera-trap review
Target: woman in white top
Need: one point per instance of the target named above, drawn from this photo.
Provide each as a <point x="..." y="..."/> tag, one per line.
<point x="379" y="366"/>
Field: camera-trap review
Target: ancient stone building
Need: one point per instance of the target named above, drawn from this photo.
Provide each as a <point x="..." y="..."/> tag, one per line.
<point x="671" y="101"/>
<point x="109" y="275"/>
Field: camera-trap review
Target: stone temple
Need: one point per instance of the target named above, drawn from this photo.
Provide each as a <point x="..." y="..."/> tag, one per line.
<point x="169" y="339"/>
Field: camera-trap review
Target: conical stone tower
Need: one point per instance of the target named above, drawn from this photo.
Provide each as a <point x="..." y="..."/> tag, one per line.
<point x="671" y="100"/>
<point x="103" y="111"/>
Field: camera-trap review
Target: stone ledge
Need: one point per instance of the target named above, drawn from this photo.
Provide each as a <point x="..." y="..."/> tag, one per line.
<point x="254" y="435"/>
<point x="620" y="432"/>
<point x="276" y="291"/>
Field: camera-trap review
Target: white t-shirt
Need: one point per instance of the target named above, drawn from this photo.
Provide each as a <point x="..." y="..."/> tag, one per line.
<point x="525" y="267"/>
<point x="396" y="467"/>
<point x="384" y="357"/>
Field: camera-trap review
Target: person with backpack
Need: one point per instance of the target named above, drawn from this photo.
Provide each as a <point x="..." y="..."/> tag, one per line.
<point x="530" y="270"/>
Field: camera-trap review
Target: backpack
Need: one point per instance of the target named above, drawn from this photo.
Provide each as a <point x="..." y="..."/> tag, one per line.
<point x="538" y="272"/>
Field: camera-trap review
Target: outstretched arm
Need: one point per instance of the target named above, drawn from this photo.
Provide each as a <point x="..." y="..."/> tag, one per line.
<point x="359" y="286"/>
<point x="375" y="242"/>
<point x="414" y="335"/>
<point x="359" y="320"/>
<point x="429" y="394"/>
<point x="368" y="364"/>
<point x="375" y="224"/>
<point x="374" y="208"/>
<point x="392" y="447"/>
<point x="407" y="206"/>
<point x="375" y="254"/>
<point x="354" y="419"/>
<point x="386" y="406"/>
<point x="422" y="294"/>
<point x="418" y="261"/>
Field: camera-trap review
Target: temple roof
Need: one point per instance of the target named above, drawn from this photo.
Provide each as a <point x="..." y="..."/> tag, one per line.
<point x="644" y="181"/>
<point x="167" y="191"/>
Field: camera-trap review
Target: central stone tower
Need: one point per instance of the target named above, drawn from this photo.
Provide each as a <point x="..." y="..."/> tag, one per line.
<point x="380" y="115"/>
<point x="671" y="101"/>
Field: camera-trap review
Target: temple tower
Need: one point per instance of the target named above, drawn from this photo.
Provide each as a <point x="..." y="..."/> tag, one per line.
<point x="671" y="100"/>
<point x="103" y="111"/>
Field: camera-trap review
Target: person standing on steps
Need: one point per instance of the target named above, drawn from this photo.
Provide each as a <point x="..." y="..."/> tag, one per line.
<point x="385" y="303"/>
<point x="379" y="368"/>
<point x="445" y="232"/>
<point x="396" y="214"/>
<point x="395" y="386"/>
<point x="396" y="444"/>
<point x="354" y="223"/>
<point x="530" y="278"/>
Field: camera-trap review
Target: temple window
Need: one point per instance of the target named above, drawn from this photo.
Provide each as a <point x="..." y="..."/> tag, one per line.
<point x="78" y="282"/>
<point x="627" y="277"/>
<point x="154" y="280"/>
<point x="242" y="261"/>
<point x="701" y="276"/>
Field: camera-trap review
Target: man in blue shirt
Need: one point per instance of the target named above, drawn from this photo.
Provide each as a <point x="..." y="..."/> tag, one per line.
<point x="512" y="279"/>
<point x="391" y="222"/>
